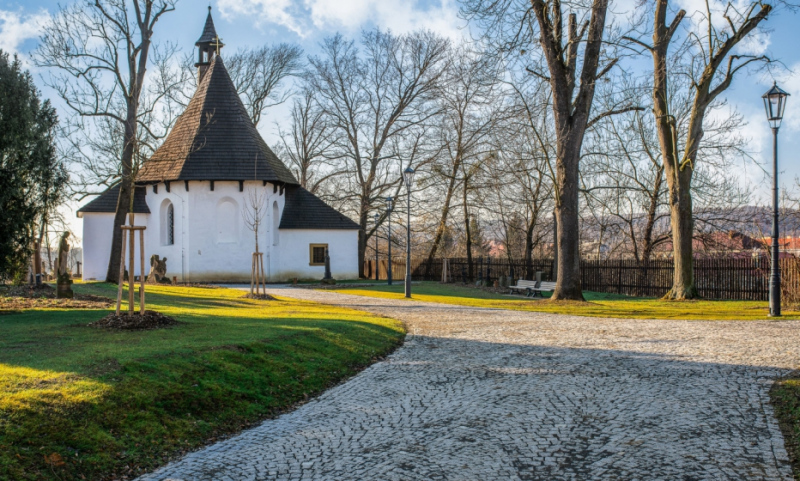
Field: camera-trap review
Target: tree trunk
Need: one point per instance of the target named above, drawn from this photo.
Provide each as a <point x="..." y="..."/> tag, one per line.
<point x="682" y="224"/>
<point x="125" y="193"/>
<point x="679" y="174"/>
<point x="468" y="233"/>
<point x="362" y="242"/>
<point x="37" y="253"/>
<point x="437" y="238"/>
<point x="568" y="278"/>
<point x="528" y="251"/>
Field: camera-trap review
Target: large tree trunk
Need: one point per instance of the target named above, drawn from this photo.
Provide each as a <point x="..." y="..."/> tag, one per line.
<point x="125" y="195"/>
<point x="682" y="223"/>
<point x="568" y="283"/>
<point x="571" y="112"/>
<point x="679" y="174"/>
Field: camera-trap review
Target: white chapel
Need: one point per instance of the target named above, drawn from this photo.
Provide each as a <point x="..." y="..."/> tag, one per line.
<point x="192" y="192"/>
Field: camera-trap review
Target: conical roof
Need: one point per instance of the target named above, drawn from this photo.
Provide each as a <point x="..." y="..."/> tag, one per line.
<point x="214" y="139"/>
<point x="209" y="32"/>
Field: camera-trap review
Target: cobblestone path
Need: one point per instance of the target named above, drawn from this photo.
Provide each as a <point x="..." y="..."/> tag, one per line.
<point x="481" y="394"/>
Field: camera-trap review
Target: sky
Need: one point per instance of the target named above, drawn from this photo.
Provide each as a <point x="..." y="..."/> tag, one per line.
<point x="251" y="23"/>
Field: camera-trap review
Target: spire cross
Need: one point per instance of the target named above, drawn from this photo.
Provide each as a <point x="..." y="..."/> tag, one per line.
<point x="217" y="43"/>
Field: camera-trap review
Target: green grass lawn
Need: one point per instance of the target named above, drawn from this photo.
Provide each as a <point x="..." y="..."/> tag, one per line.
<point x="82" y="403"/>
<point x="785" y="395"/>
<point x="597" y="305"/>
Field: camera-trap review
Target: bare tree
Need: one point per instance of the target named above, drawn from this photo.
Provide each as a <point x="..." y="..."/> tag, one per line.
<point x="513" y="26"/>
<point x="99" y="52"/>
<point x="471" y="104"/>
<point x="253" y="214"/>
<point x="710" y="70"/>
<point x="308" y="145"/>
<point x="377" y="101"/>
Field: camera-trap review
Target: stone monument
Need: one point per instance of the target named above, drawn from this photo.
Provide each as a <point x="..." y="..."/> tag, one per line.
<point x="63" y="277"/>
<point x="328" y="278"/>
<point x="158" y="270"/>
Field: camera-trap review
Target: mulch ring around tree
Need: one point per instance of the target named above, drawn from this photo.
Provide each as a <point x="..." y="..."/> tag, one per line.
<point x="259" y="297"/>
<point x="44" y="296"/>
<point x="135" y="322"/>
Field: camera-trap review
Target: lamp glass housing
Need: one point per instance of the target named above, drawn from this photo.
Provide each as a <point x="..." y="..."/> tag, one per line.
<point x="389" y="204"/>
<point x="408" y="175"/>
<point x="774" y="105"/>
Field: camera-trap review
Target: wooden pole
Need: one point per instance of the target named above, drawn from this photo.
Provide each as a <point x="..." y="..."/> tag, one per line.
<point x="263" y="274"/>
<point x="141" y="272"/>
<point x="121" y="271"/>
<point x="252" y="272"/>
<point x="131" y="282"/>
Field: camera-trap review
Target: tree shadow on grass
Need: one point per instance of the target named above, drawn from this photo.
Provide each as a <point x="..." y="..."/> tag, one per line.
<point x="106" y="401"/>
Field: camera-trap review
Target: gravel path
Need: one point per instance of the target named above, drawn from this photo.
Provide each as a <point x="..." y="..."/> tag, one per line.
<point x="495" y="394"/>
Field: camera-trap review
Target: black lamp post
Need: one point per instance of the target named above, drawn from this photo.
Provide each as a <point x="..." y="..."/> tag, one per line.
<point x="389" y="206"/>
<point x="775" y="103"/>
<point x="377" y="218"/>
<point x="408" y="175"/>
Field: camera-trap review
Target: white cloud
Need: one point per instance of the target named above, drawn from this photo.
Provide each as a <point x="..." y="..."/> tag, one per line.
<point x="287" y="13"/>
<point x="400" y="17"/>
<point x="16" y="28"/>
<point x="301" y="17"/>
<point x="790" y="82"/>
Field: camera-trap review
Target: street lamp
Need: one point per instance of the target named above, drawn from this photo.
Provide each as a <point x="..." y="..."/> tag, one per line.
<point x="389" y="207"/>
<point x="408" y="175"/>
<point x="774" y="104"/>
<point x="377" y="218"/>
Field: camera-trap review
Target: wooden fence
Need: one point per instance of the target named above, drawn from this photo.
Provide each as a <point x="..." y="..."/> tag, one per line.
<point x="723" y="278"/>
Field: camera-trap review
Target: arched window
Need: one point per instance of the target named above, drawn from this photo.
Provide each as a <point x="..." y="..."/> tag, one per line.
<point x="227" y="221"/>
<point x="167" y="223"/>
<point x="170" y="225"/>
<point x="276" y="221"/>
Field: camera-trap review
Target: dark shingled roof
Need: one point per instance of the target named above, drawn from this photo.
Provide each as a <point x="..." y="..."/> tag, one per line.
<point x="209" y="32"/>
<point x="107" y="202"/>
<point x="214" y="139"/>
<point x="303" y="210"/>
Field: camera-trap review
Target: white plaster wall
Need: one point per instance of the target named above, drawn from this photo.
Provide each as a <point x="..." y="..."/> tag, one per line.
<point x="294" y="255"/>
<point x="97" y="232"/>
<point x="154" y="238"/>
<point x="212" y="248"/>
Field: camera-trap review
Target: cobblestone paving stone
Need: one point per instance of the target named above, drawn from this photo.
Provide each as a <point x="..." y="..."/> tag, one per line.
<point x="479" y="394"/>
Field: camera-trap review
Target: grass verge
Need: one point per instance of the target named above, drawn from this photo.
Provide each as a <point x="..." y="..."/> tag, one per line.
<point x="785" y="399"/>
<point x="597" y="305"/>
<point x="84" y="403"/>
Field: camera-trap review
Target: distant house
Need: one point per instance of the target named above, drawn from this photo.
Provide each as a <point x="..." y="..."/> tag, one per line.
<point x="192" y="191"/>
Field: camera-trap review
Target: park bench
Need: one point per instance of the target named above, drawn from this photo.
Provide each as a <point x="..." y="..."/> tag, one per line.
<point x="532" y="288"/>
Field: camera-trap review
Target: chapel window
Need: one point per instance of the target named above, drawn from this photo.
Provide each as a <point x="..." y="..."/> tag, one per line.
<point x="170" y="225"/>
<point x="317" y="254"/>
<point x="167" y="223"/>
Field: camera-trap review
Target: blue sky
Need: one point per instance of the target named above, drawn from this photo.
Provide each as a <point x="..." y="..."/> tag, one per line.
<point x="243" y="23"/>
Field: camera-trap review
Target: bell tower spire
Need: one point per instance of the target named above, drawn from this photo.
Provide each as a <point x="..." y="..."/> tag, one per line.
<point x="208" y="46"/>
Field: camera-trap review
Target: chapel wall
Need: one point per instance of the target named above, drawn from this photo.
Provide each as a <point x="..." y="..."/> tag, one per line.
<point x="295" y="255"/>
<point x="97" y="232"/>
<point x="221" y="244"/>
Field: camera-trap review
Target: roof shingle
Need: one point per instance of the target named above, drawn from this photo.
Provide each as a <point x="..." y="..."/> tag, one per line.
<point x="107" y="202"/>
<point x="209" y="32"/>
<point x="303" y="210"/>
<point x="214" y="139"/>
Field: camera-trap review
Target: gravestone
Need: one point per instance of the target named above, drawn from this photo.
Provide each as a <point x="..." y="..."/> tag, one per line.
<point x="328" y="278"/>
<point x="63" y="278"/>
<point x="158" y="270"/>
